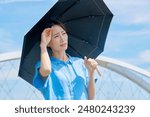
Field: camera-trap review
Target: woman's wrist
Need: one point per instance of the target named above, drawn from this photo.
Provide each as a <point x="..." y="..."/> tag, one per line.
<point x="91" y="74"/>
<point x="43" y="47"/>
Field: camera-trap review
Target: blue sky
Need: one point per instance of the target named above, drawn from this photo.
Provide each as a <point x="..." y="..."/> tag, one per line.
<point x="128" y="38"/>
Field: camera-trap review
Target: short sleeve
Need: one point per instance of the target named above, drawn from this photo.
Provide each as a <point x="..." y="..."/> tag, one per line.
<point x="38" y="81"/>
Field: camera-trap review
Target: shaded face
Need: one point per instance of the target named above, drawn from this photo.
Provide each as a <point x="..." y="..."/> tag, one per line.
<point x="59" y="40"/>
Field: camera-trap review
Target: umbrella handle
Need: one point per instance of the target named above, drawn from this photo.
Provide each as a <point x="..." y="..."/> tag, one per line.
<point x="98" y="71"/>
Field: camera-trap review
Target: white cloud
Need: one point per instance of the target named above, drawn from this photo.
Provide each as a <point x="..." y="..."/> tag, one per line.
<point x="10" y="1"/>
<point x="130" y="11"/>
<point x="125" y="32"/>
<point x="145" y="56"/>
<point x="130" y="27"/>
<point x="119" y="40"/>
<point x="6" y="41"/>
<point x="134" y="61"/>
<point x="142" y="59"/>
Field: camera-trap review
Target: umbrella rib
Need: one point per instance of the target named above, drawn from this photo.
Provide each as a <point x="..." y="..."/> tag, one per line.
<point x="92" y="51"/>
<point x="98" y="7"/>
<point x="100" y="30"/>
<point x="78" y="52"/>
<point x="79" y="38"/>
<point x="101" y="9"/>
<point x="68" y="8"/>
<point x="83" y="17"/>
<point x="102" y="20"/>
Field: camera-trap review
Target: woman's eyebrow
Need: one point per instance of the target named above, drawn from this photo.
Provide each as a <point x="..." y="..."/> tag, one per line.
<point x="58" y="33"/>
<point x="63" y="31"/>
<point x="55" y="34"/>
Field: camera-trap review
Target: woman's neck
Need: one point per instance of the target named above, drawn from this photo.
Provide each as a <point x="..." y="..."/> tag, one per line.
<point x="61" y="56"/>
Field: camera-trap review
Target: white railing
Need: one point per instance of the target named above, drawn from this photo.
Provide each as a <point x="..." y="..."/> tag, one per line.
<point x="128" y="71"/>
<point x="119" y="80"/>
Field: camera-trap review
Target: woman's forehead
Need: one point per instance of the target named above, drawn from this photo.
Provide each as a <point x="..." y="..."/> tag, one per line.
<point x="57" y="29"/>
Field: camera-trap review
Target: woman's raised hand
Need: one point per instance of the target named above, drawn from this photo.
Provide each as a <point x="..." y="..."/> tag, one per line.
<point x="46" y="36"/>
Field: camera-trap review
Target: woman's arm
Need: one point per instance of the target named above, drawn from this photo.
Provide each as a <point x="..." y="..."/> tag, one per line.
<point x="91" y="87"/>
<point x="45" y="68"/>
<point x="91" y="65"/>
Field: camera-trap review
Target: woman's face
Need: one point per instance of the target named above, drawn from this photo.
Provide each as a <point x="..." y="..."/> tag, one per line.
<point x="59" y="40"/>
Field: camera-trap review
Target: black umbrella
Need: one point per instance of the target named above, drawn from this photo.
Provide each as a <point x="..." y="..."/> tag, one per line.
<point x="87" y="23"/>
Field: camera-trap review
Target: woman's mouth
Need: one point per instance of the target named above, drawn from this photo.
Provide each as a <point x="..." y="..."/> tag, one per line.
<point x="64" y="44"/>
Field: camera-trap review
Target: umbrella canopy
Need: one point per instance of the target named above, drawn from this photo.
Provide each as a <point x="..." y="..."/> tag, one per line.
<point x="87" y="23"/>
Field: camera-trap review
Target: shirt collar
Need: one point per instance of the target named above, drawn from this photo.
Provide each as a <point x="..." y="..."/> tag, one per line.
<point x="58" y="61"/>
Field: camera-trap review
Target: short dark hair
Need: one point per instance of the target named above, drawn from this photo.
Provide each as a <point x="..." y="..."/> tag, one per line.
<point x="56" y="22"/>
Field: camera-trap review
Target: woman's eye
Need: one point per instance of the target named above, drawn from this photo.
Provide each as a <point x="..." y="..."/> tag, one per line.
<point x="64" y="33"/>
<point x="56" y="36"/>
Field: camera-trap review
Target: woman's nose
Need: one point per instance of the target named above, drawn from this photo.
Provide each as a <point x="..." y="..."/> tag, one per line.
<point x="62" y="38"/>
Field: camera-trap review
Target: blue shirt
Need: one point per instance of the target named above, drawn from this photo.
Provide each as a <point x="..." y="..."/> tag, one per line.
<point x="67" y="81"/>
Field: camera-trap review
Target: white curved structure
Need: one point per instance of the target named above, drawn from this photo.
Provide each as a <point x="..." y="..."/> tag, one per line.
<point x="10" y="56"/>
<point x="129" y="72"/>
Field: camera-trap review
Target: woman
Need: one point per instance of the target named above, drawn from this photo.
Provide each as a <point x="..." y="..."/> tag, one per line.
<point x="60" y="76"/>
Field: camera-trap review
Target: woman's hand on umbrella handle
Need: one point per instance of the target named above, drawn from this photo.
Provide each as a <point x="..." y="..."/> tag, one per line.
<point x="46" y="36"/>
<point x="91" y="65"/>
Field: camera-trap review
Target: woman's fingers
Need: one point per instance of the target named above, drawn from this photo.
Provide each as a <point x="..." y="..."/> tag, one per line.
<point x="91" y="63"/>
<point x="85" y="59"/>
<point x="46" y="36"/>
<point x="47" y="32"/>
